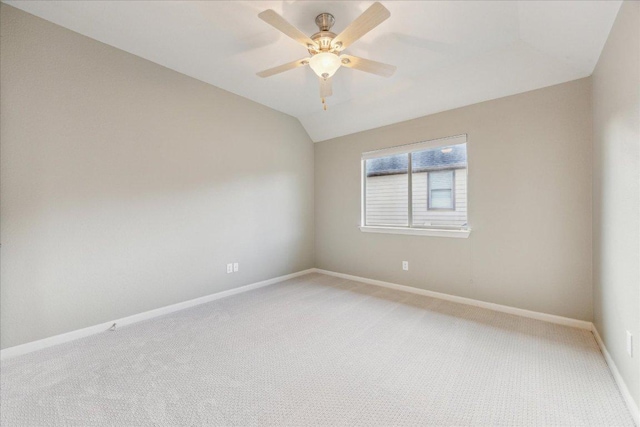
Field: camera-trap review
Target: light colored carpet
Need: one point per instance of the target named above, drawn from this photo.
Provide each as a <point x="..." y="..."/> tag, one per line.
<point x="318" y="350"/>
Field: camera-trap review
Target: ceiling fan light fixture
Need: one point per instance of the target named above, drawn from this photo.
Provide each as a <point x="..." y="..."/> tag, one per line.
<point x="325" y="64"/>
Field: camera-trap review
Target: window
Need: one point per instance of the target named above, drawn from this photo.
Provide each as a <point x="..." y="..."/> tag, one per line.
<point x="440" y="186"/>
<point x="417" y="188"/>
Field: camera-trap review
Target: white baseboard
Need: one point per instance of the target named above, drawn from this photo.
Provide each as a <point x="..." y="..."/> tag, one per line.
<point x="566" y="321"/>
<point x="631" y="404"/>
<point x="18" y="350"/>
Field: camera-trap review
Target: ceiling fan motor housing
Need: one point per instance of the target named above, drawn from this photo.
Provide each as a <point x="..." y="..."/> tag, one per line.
<point x="323" y="38"/>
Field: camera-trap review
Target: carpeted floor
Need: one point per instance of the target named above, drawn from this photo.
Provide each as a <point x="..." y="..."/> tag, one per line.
<point x="318" y="350"/>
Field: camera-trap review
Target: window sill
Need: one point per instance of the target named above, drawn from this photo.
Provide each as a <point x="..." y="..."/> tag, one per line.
<point x="435" y="232"/>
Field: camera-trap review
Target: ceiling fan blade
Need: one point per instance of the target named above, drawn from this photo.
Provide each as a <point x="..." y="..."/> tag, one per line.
<point x="370" y="18"/>
<point x="284" y="67"/>
<point x="278" y="22"/>
<point x="367" y="65"/>
<point x="325" y="87"/>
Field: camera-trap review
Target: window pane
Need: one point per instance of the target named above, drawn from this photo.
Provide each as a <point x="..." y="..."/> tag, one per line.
<point x="442" y="180"/>
<point x="387" y="190"/>
<point x="440" y="199"/>
<point x="439" y="186"/>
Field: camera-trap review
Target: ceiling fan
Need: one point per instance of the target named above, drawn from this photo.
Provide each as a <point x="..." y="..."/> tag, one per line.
<point x="325" y="47"/>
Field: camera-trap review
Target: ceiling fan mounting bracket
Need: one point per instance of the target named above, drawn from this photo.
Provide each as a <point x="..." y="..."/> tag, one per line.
<point x="325" y="21"/>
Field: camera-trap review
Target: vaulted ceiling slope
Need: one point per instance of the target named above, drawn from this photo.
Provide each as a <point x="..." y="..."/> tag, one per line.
<point x="448" y="53"/>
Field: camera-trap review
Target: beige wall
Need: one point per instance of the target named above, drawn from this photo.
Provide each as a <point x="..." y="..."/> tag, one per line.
<point x="529" y="205"/>
<point x="616" y="193"/>
<point x="127" y="186"/>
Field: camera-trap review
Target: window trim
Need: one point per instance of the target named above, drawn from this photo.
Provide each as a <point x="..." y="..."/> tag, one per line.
<point x="452" y="189"/>
<point x="460" y="233"/>
<point x="410" y="229"/>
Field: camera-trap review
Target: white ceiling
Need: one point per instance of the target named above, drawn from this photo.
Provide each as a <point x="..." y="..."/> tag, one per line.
<point x="448" y="53"/>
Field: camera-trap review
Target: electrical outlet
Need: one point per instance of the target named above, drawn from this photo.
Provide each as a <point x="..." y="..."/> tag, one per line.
<point x="235" y="267"/>
<point x="629" y="344"/>
<point x="405" y="265"/>
<point x="229" y="268"/>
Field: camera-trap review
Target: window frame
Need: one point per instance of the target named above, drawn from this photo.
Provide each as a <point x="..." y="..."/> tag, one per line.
<point x="410" y="229"/>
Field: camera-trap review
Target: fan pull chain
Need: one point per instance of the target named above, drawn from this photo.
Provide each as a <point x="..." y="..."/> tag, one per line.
<point x="324" y="104"/>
